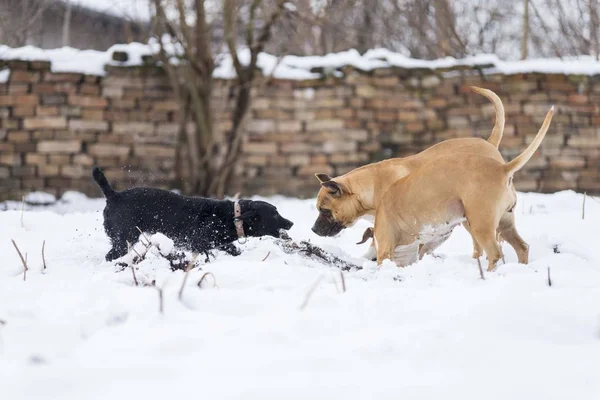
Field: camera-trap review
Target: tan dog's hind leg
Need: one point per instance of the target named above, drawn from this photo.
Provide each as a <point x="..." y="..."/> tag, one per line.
<point x="477" y="250"/>
<point x="406" y="254"/>
<point x="508" y="231"/>
<point x="388" y="248"/>
<point x="484" y="232"/>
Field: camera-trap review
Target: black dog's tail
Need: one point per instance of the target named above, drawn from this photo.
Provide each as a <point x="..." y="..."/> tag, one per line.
<point x="101" y="180"/>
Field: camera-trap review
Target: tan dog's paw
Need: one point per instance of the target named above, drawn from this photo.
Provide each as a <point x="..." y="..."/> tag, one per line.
<point x="491" y="267"/>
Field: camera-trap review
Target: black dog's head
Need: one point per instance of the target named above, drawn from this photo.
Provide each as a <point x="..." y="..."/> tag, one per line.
<point x="262" y="219"/>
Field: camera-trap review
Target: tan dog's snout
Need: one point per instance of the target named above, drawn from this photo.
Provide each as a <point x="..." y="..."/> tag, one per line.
<point x="325" y="225"/>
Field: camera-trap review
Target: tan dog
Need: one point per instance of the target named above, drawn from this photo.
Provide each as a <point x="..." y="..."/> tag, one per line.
<point x="342" y="200"/>
<point x="427" y="204"/>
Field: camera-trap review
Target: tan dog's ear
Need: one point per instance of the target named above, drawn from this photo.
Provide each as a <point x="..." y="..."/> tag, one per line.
<point x="323" y="177"/>
<point x="367" y="235"/>
<point x="334" y="188"/>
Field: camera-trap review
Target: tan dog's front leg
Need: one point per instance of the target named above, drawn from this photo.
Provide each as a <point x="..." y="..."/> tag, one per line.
<point x="371" y="253"/>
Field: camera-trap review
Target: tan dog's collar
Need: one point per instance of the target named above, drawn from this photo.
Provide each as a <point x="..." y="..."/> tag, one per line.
<point x="239" y="224"/>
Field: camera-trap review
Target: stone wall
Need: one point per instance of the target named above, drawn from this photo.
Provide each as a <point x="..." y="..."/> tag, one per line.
<point x="55" y="126"/>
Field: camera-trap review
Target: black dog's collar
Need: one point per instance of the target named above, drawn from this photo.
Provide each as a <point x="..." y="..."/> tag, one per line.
<point x="239" y="224"/>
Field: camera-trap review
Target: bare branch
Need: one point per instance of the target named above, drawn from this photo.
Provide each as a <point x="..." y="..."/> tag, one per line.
<point x="229" y="18"/>
<point x="189" y="267"/>
<point x="480" y="270"/>
<point x="343" y="281"/>
<point x="204" y="277"/>
<point x="43" y="255"/>
<point x="25" y="268"/>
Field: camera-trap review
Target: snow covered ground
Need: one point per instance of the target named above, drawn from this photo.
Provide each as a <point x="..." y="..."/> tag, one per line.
<point x="82" y="330"/>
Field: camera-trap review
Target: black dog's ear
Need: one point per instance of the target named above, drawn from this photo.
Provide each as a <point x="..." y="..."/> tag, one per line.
<point x="246" y="215"/>
<point x="323" y="177"/>
<point x="334" y="188"/>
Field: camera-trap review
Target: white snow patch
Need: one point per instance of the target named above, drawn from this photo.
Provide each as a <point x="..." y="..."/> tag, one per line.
<point x="432" y="330"/>
<point x="39" y="198"/>
<point x="164" y="244"/>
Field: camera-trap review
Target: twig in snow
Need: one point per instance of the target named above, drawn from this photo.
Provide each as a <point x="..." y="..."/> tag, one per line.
<point x="308" y="249"/>
<point x="343" y="282"/>
<point x="43" y="254"/>
<point x="160" y="297"/>
<point x="140" y="258"/>
<point x="22" y="260"/>
<point x="311" y="291"/>
<point x="583" y="206"/>
<point x="549" y="279"/>
<point x="145" y="237"/>
<point x="190" y="265"/>
<point x="134" y="277"/>
<point x="480" y="270"/>
<point x="204" y="277"/>
<point x="267" y="256"/>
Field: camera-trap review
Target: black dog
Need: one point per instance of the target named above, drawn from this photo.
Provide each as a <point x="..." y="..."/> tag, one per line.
<point x="195" y="223"/>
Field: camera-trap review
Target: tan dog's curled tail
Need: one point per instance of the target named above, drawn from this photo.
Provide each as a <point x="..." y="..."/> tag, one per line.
<point x="498" y="129"/>
<point x="513" y="166"/>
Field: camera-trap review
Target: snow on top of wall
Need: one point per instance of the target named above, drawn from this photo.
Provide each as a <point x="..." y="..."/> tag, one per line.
<point x="92" y="62"/>
<point x="68" y="59"/>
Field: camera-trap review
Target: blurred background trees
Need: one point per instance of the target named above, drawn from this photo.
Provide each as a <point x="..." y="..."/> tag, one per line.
<point x="428" y="29"/>
<point x="425" y="29"/>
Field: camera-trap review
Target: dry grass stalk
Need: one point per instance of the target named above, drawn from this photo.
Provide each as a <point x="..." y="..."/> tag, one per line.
<point x="204" y="277"/>
<point x="189" y="267"/>
<point x="343" y="282"/>
<point x="480" y="270"/>
<point x="583" y="206"/>
<point x="161" y="308"/>
<point x="22" y="260"/>
<point x="43" y="254"/>
<point x="310" y="292"/>
<point x="22" y="210"/>
<point x="267" y="256"/>
<point x="134" y="277"/>
<point x="549" y="279"/>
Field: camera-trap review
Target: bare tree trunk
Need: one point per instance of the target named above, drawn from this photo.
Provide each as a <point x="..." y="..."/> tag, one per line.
<point x="525" y="36"/>
<point x="366" y="30"/>
<point x="443" y="19"/>
<point x="593" y="9"/>
<point x="66" y="28"/>
<point x="207" y="159"/>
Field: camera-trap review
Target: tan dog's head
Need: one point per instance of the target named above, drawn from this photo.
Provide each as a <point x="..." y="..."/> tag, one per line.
<point x="338" y="207"/>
